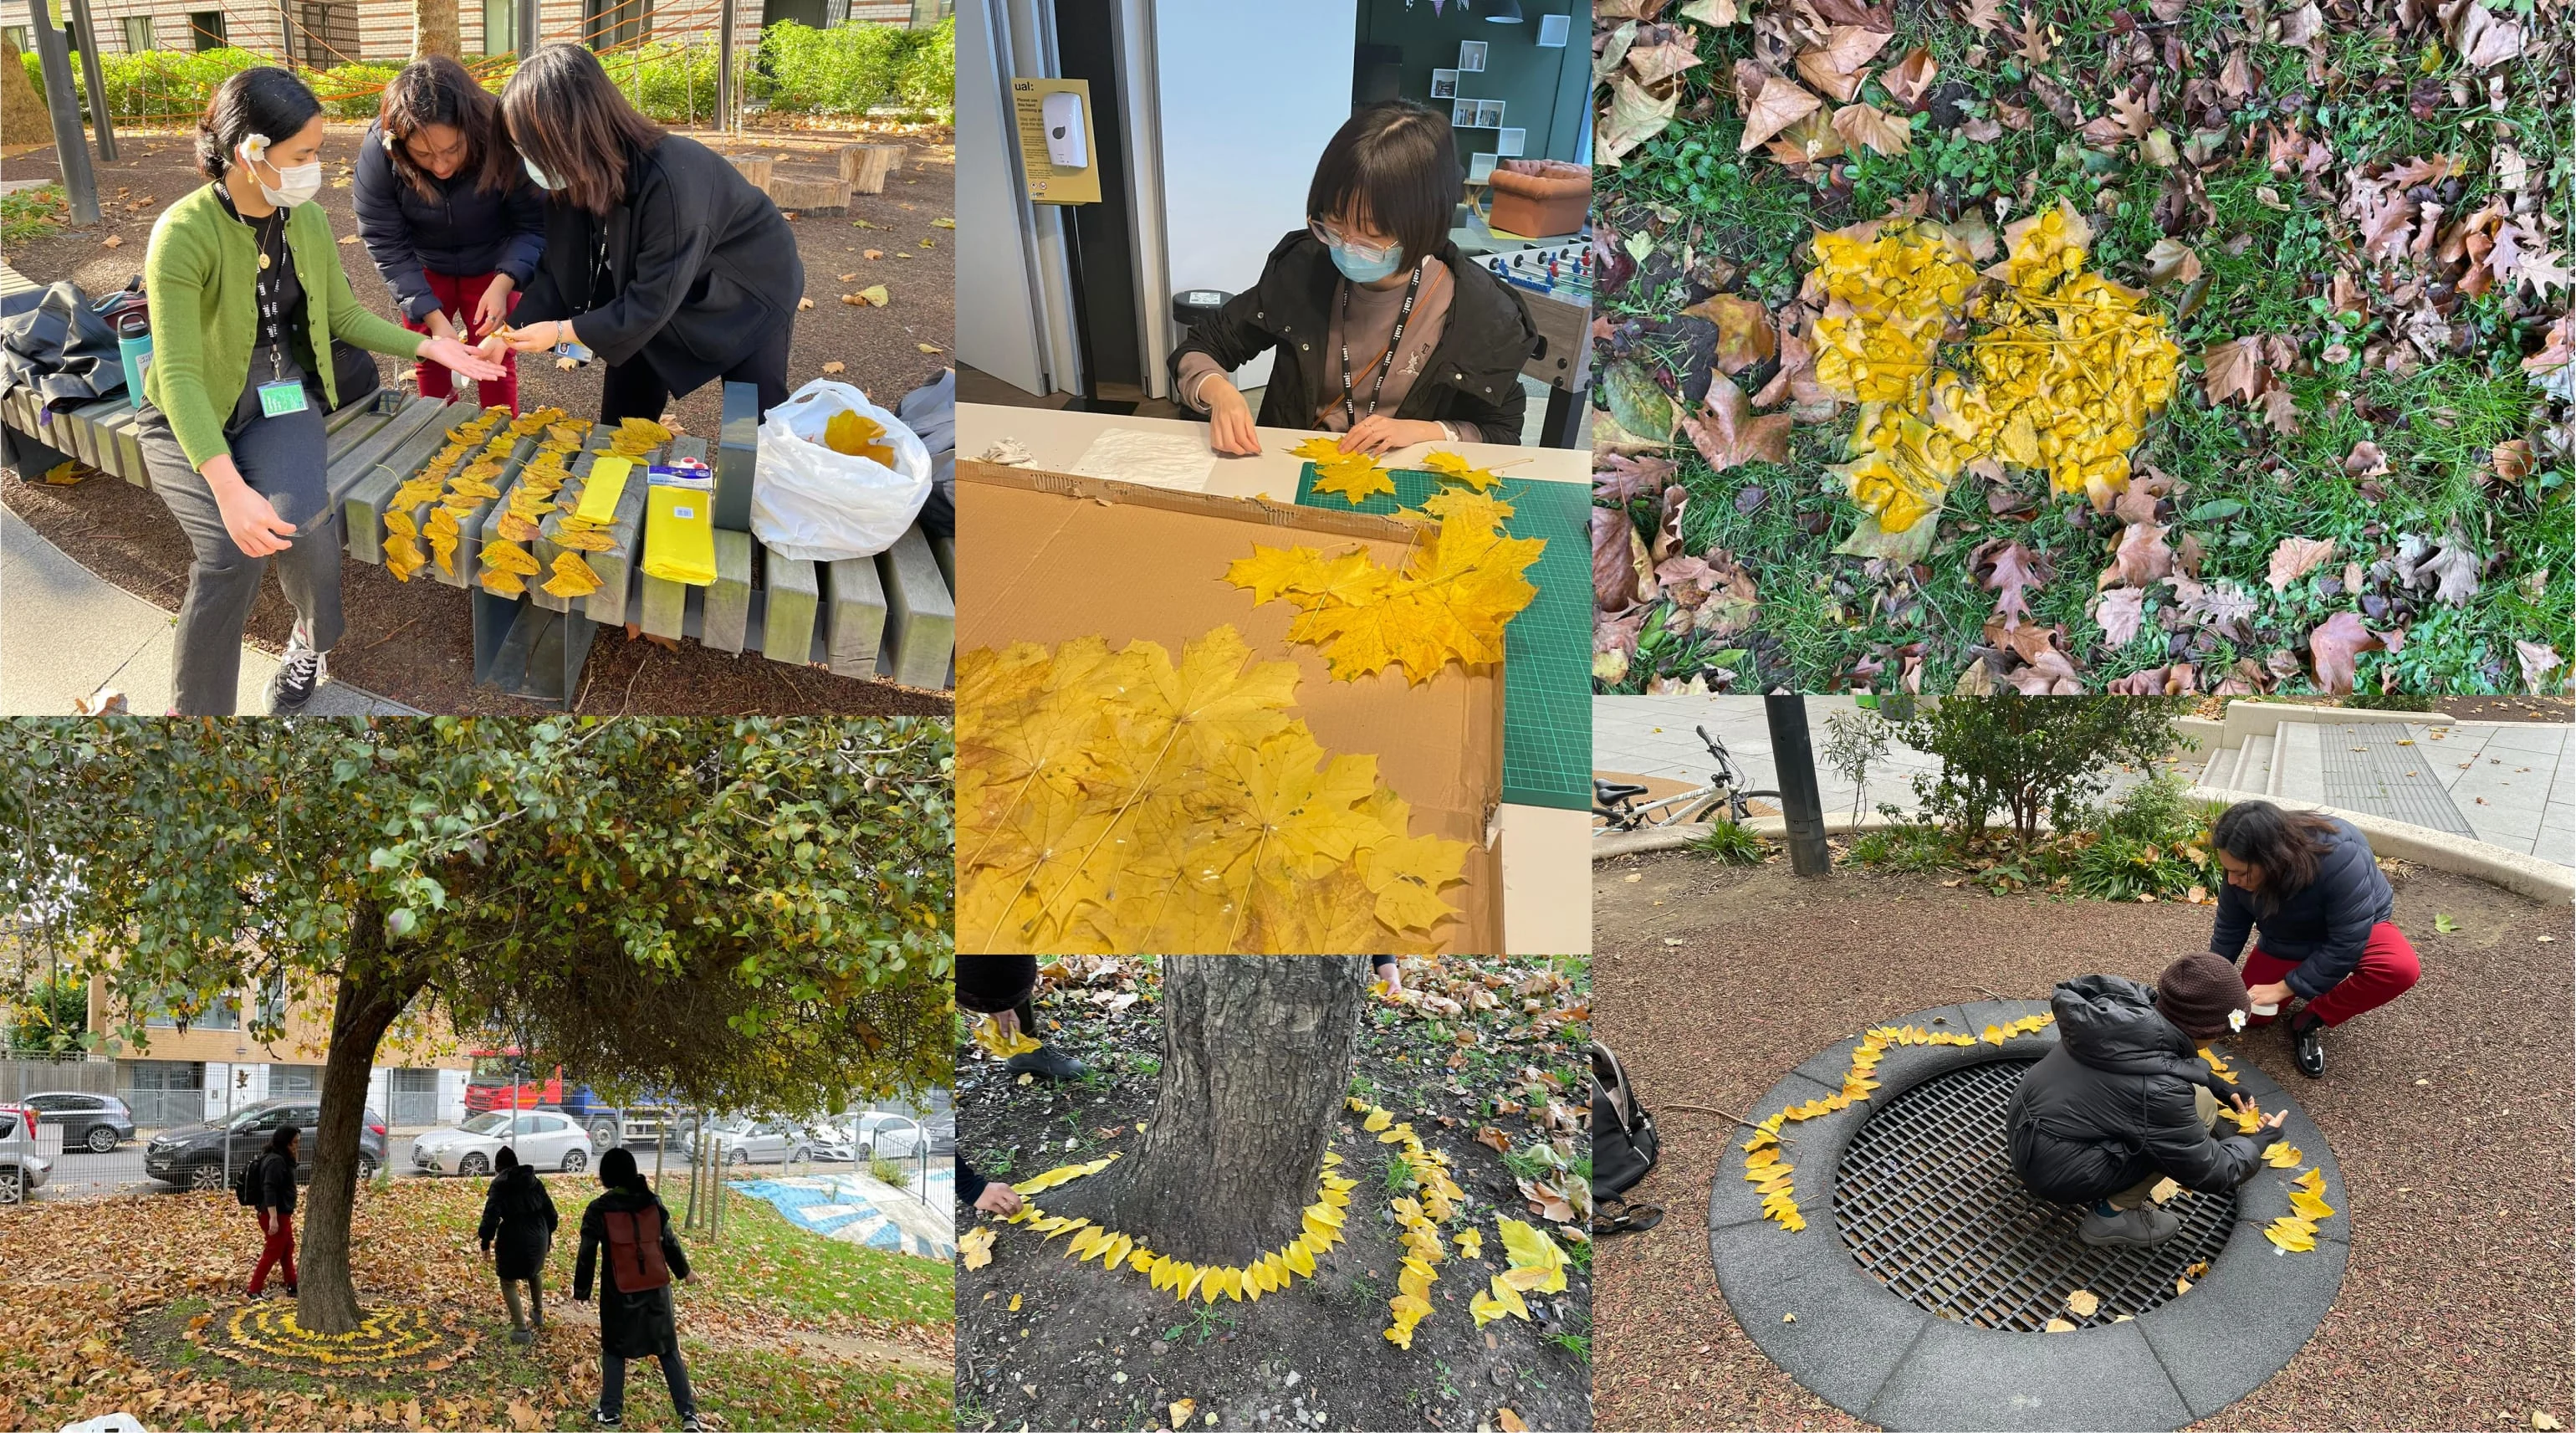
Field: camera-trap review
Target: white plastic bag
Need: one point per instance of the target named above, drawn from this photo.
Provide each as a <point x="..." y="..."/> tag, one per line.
<point x="812" y="504"/>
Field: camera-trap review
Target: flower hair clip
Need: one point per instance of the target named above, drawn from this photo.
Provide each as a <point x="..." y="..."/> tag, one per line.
<point x="2236" y="1021"/>
<point x="254" y="148"/>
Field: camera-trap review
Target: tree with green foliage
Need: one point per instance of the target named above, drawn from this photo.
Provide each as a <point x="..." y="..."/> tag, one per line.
<point x="52" y="1016"/>
<point x="2029" y="757"/>
<point x="745" y="914"/>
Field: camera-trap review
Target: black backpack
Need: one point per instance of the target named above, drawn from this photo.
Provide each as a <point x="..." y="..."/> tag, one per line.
<point x="1624" y="1144"/>
<point x="246" y="1185"/>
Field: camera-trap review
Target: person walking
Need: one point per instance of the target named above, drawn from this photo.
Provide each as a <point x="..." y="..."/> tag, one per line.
<point x="636" y="1319"/>
<point x="448" y="214"/>
<point x="273" y="1187"/>
<point x="2124" y="1100"/>
<point x="2309" y="890"/>
<point x="1005" y="987"/>
<point x="660" y="257"/>
<point x="519" y="1218"/>
<point x="247" y="299"/>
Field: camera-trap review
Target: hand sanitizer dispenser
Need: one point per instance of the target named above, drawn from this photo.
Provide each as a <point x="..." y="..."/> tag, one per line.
<point x="1063" y="114"/>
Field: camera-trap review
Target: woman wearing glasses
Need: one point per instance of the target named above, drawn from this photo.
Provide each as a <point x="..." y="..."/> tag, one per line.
<point x="1384" y="333"/>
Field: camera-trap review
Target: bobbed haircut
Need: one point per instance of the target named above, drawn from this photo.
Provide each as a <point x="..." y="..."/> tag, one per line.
<point x="438" y="90"/>
<point x="617" y="1170"/>
<point x="1395" y="165"/>
<point x="261" y="100"/>
<point x="2283" y="845"/>
<point x="564" y="113"/>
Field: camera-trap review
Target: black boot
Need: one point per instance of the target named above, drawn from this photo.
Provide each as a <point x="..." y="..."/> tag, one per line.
<point x="2307" y="1042"/>
<point x="1047" y="1063"/>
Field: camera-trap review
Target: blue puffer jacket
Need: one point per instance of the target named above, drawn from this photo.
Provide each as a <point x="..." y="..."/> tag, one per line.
<point x="2323" y="925"/>
<point x="465" y="231"/>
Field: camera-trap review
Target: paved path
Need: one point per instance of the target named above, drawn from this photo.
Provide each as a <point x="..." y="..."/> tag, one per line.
<point x="65" y="632"/>
<point x="2512" y="783"/>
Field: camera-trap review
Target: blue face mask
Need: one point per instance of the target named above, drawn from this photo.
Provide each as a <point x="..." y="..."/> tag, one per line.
<point x="537" y="174"/>
<point x="1360" y="272"/>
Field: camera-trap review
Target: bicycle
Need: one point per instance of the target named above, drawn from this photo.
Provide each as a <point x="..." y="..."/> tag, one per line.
<point x="1616" y="803"/>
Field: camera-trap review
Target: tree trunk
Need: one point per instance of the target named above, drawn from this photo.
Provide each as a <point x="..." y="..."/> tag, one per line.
<point x="1256" y="1055"/>
<point x="434" y="30"/>
<point x="371" y="995"/>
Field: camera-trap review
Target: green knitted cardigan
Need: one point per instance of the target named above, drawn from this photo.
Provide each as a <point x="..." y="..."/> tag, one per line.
<point x="201" y="273"/>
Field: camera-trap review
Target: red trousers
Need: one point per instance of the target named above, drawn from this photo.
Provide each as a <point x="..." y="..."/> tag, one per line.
<point x="459" y="295"/>
<point x="277" y="1252"/>
<point x="2387" y="969"/>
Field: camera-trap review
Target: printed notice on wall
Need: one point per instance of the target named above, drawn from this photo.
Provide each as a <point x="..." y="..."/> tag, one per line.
<point x="1050" y="182"/>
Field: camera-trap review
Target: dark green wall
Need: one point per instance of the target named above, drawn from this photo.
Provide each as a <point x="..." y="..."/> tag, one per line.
<point x="1531" y="82"/>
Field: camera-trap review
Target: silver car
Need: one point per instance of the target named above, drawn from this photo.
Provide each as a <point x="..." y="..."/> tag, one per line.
<point x="742" y="1140"/>
<point x="540" y="1138"/>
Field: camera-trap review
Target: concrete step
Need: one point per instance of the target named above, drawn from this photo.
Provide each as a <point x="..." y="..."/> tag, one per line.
<point x="2254" y="765"/>
<point x="2220" y="774"/>
<point x="2298" y="762"/>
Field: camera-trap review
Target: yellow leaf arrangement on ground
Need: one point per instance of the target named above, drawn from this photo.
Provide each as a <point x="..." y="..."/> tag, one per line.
<point x="2296" y="1232"/>
<point x="1449" y="601"/>
<point x="2062" y="372"/>
<point x="1765" y="1166"/>
<point x="1420" y="1218"/>
<point x="1117" y="802"/>
<point x="1269" y="1274"/>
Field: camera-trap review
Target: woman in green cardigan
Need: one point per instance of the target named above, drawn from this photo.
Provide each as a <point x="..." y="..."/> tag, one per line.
<point x="247" y="295"/>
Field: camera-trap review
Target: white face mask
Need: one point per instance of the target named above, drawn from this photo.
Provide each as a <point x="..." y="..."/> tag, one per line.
<point x="537" y="174"/>
<point x="296" y="185"/>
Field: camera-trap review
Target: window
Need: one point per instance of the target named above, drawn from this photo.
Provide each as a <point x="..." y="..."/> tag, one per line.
<point x="500" y="27"/>
<point x="295" y="1080"/>
<point x="138" y="34"/>
<point x="20" y="36"/>
<point x="545" y="1124"/>
<point x="224" y="1013"/>
<point x="206" y="29"/>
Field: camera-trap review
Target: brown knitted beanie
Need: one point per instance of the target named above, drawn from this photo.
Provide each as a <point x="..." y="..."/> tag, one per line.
<point x="2197" y="993"/>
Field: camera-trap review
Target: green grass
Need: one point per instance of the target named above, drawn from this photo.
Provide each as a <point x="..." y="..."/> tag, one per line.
<point x="30" y="212"/>
<point x="766" y="1259"/>
<point x="1730" y="843"/>
<point x="2243" y="487"/>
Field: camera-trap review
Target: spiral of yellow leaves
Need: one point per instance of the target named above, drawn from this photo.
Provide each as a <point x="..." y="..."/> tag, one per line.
<point x="267" y="1335"/>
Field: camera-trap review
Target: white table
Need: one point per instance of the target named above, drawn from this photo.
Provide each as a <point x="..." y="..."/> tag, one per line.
<point x="1547" y="853"/>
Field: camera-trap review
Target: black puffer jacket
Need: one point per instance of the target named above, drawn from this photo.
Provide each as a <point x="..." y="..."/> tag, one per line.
<point x="466" y="230"/>
<point x="518" y="1222"/>
<point x="630" y="1325"/>
<point x="1473" y="376"/>
<point x="276" y="1185"/>
<point x="2112" y="1104"/>
<point x="2323" y="925"/>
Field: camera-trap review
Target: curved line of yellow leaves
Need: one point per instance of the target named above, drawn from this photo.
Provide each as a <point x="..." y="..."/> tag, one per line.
<point x="1269" y="1274"/>
<point x="267" y="1336"/>
<point x="1773" y="1177"/>
<point x="1421" y="1218"/>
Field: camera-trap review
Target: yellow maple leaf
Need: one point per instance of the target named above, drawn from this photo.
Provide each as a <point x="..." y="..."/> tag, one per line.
<point x="977" y="1245"/>
<point x="989" y="1038"/>
<point x="1529" y="1250"/>
<point x="1455" y="468"/>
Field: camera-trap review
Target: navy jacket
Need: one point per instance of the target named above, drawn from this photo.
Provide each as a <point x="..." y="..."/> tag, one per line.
<point x="700" y="267"/>
<point x="2323" y="926"/>
<point x="2112" y="1104"/>
<point x="465" y="231"/>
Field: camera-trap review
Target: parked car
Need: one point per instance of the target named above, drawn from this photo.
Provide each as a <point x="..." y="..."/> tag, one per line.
<point x="541" y="1138"/>
<point x="97" y="1123"/>
<point x="903" y="1140"/>
<point x="205" y="1156"/>
<point x="22" y="1170"/>
<point x="744" y="1140"/>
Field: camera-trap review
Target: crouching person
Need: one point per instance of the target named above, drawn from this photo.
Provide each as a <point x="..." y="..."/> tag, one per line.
<point x="2125" y="1100"/>
<point x="635" y="1315"/>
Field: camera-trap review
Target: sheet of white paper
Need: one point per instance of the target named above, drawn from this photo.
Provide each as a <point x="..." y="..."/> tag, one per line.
<point x="1159" y="460"/>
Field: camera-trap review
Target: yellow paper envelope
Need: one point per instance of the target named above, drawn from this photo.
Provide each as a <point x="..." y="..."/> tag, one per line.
<point x="607" y="483"/>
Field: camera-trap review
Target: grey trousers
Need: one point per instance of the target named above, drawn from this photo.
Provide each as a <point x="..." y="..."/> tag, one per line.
<point x="285" y="460"/>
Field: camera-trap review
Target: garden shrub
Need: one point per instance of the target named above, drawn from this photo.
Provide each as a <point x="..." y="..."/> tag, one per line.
<point x="852" y="69"/>
<point x="2026" y="757"/>
<point x="1730" y="843"/>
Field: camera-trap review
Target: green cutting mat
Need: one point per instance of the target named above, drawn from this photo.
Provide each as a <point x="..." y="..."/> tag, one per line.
<point x="1547" y="649"/>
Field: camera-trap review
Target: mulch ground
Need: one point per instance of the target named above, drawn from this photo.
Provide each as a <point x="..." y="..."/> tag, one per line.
<point x="1086" y="1349"/>
<point x="414" y="642"/>
<point x="2448" y="1110"/>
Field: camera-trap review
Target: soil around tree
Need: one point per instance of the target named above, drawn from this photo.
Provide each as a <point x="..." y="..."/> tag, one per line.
<point x="414" y="642"/>
<point x="2448" y="1110"/>
<point x="1093" y="1349"/>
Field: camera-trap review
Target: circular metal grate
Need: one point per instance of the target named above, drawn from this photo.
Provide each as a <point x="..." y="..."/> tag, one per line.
<point x="1930" y="1207"/>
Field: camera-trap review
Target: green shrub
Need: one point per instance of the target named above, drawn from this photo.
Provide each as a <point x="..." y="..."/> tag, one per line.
<point x="29" y="212"/>
<point x="2026" y="758"/>
<point x="1903" y="848"/>
<point x="1733" y="844"/>
<point x="2123" y="868"/>
<point x="887" y="1171"/>
<point x="353" y="90"/>
<point x="852" y="69"/>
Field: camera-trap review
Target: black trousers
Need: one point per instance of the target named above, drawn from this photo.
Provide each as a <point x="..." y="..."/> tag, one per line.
<point x="635" y="389"/>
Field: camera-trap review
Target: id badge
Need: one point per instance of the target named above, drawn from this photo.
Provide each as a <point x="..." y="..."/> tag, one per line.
<point x="276" y="400"/>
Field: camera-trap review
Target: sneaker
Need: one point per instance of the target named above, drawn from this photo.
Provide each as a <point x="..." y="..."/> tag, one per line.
<point x="602" y="1418"/>
<point x="298" y="673"/>
<point x="2307" y="1043"/>
<point x="2143" y="1227"/>
<point x="522" y="1336"/>
<point x="689" y="1424"/>
<point x="1047" y="1063"/>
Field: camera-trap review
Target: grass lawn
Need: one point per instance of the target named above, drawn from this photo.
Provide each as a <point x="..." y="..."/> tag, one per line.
<point x="2405" y="418"/>
<point x="780" y="1329"/>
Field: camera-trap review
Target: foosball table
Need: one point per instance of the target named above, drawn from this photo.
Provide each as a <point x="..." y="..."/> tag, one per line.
<point x="432" y="490"/>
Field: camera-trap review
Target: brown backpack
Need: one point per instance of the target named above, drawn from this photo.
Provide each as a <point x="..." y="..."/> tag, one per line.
<point x="635" y="1260"/>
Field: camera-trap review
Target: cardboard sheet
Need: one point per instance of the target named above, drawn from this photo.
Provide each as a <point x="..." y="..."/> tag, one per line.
<point x="1047" y="557"/>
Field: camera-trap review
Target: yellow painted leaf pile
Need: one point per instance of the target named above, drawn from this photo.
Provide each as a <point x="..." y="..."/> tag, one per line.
<point x="989" y="1037"/>
<point x="1537" y="1264"/>
<point x="2297" y="1230"/>
<point x="1448" y="602"/>
<point x="1352" y="477"/>
<point x="506" y="567"/>
<point x="2217" y="1066"/>
<point x="2283" y="1156"/>
<point x="1454" y="468"/>
<point x="2063" y="368"/>
<point x="1117" y="802"/>
<point x="1765" y="1164"/>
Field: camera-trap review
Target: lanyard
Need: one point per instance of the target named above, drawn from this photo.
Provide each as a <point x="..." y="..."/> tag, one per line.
<point x="269" y="281"/>
<point x="1394" y="343"/>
